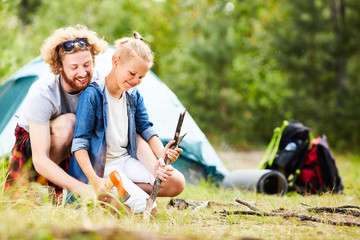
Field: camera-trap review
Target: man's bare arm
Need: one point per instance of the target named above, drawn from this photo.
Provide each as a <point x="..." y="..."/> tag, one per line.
<point x="40" y="144"/>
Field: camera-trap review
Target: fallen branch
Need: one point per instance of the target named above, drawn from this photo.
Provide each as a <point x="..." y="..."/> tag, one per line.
<point x="181" y="204"/>
<point x="343" y="206"/>
<point x="341" y="210"/>
<point x="252" y="207"/>
<point x="334" y="210"/>
<point x="302" y="217"/>
<point x="157" y="183"/>
<point x="350" y="206"/>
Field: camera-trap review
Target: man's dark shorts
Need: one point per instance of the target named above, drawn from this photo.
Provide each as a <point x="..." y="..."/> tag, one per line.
<point x="21" y="169"/>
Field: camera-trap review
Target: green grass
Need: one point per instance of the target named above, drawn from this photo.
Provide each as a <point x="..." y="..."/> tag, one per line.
<point x="35" y="216"/>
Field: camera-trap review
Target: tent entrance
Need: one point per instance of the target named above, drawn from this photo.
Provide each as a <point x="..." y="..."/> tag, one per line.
<point x="12" y="94"/>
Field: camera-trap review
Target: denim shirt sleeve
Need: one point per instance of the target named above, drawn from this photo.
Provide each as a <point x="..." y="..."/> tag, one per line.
<point x="85" y="120"/>
<point x="143" y="125"/>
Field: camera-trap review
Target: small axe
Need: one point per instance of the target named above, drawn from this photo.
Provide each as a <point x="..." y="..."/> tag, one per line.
<point x="115" y="180"/>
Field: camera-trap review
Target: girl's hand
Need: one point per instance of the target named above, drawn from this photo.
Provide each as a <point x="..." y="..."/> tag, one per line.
<point x="162" y="170"/>
<point x="172" y="155"/>
<point x="101" y="189"/>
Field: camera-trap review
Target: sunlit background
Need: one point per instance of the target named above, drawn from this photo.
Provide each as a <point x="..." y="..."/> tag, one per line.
<point x="239" y="67"/>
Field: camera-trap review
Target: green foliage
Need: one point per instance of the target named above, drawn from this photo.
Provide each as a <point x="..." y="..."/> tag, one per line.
<point x="14" y="49"/>
<point x="222" y="62"/>
<point x="310" y="48"/>
<point x="239" y="67"/>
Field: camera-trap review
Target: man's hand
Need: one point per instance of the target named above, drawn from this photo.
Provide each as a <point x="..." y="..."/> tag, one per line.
<point x="87" y="192"/>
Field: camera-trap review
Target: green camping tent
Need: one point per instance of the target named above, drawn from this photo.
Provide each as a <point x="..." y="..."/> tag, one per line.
<point x="198" y="161"/>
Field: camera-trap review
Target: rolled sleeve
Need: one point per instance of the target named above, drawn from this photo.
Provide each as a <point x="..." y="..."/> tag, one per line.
<point x="79" y="143"/>
<point x="148" y="133"/>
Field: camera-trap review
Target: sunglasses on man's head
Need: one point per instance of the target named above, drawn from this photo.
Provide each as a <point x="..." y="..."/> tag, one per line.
<point x="70" y="45"/>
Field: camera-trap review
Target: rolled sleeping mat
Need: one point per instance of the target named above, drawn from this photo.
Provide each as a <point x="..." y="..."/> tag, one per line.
<point x="264" y="181"/>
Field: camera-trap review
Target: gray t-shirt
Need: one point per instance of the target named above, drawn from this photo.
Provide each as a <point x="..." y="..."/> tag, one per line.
<point x="47" y="100"/>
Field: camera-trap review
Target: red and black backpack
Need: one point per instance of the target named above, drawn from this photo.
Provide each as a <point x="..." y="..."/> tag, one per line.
<point x="308" y="165"/>
<point x="319" y="172"/>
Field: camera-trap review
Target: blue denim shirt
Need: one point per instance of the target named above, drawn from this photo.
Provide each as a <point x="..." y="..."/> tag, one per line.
<point x="91" y="123"/>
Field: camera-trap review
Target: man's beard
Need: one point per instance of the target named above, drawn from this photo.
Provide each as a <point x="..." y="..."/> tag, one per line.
<point x="77" y="87"/>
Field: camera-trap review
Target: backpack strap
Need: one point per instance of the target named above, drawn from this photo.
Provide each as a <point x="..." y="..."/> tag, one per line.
<point x="270" y="153"/>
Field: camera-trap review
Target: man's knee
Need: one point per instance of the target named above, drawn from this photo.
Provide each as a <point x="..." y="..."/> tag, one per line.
<point x="62" y="128"/>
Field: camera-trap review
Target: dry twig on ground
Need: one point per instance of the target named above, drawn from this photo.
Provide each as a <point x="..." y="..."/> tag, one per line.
<point x="303" y="217"/>
<point x="341" y="209"/>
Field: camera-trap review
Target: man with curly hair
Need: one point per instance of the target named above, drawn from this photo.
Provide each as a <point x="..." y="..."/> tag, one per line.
<point x="49" y="116"/>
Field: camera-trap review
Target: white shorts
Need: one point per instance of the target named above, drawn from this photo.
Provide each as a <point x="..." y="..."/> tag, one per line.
<point x="131" y="171"/>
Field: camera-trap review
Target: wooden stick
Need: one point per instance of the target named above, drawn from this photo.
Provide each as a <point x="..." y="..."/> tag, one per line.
<point x="252" y="207"/>
<point x="303" y="217"/>
<point x="335" y="210"/>
<point x="340" y="209"/>
<point x="343" y="206"/>
<point x="157" y="183"/>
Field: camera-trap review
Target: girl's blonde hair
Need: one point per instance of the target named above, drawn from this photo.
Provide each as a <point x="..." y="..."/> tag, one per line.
<point x="53" y="55"/>
<point x="127" y="47"/>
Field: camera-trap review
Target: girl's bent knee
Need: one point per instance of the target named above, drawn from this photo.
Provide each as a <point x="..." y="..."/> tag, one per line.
<point x="177" y="185"/>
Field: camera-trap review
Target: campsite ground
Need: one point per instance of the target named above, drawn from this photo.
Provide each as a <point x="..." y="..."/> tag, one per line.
<point x="34" y="216"/>
<point x="240" y="159"/>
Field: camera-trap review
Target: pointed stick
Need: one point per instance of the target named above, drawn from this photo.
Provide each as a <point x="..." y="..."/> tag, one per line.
<point x="157" y="183"/>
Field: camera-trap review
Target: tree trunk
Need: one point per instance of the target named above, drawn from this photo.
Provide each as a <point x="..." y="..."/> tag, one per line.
<point x="340" y="59"/>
